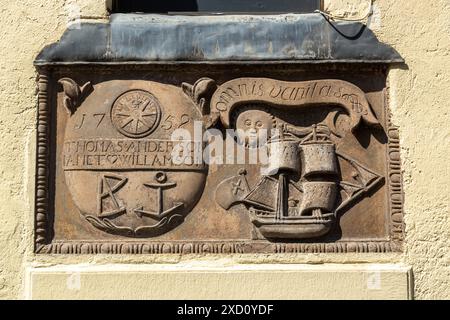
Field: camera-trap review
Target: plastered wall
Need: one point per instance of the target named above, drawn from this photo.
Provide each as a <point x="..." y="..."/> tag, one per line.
<point x="419" y="102"/>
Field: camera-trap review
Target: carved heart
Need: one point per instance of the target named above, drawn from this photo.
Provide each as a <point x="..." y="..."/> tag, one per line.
<point x="112" y="158"/>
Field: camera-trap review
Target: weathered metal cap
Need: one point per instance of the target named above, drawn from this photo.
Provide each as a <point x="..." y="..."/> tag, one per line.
<point x="152" y="38"/>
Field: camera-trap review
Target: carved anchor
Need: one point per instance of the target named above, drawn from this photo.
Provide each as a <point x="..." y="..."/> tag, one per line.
<point x="161" y="178"/>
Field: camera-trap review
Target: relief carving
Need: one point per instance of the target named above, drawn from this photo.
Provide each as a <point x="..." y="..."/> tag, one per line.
<point x="290" y="95"/>
<point x="190" y="146"/>
<point x="136" y="113"/>
<point x="201" y="92"/>
<point x="299" y="195"/>
<point x="73" y="93"/>
<point x="118" y="161"/>
<point x="319" y="144"/>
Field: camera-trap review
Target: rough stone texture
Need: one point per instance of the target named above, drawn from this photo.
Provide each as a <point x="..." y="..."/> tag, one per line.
<point x="419" y="102"/>
<point x="350" y="9"/>
<point x="417" y="29"/>
<point x="419" y="32"/>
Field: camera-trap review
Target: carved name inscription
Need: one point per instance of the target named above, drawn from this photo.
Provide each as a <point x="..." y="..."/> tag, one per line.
<point x="116" y="154"/>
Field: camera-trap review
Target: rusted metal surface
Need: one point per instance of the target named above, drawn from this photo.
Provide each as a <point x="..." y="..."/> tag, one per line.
<point x="295" y="38"/>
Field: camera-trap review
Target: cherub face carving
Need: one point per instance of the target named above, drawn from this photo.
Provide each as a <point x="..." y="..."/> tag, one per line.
<point x="253" y="127"/>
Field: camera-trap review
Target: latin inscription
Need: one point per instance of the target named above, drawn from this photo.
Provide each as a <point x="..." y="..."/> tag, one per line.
<point x="119" y="170"/>
<point x="285" y="93"/>
<point x="291" y="94"/>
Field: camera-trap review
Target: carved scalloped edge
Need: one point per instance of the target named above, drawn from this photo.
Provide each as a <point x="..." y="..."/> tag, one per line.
<point x="43" y="244"/>
<point x="42" y="161"/>
<point x="213" y="247"/>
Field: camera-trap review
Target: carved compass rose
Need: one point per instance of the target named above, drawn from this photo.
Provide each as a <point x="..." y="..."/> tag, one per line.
<point x="136" y="113"/>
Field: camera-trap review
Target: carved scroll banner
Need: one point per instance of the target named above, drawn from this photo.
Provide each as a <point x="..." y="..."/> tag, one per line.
<point x="291" y="94"/>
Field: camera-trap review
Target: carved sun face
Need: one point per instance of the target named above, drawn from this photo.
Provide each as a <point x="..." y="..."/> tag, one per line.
<point x="253" y="127"/>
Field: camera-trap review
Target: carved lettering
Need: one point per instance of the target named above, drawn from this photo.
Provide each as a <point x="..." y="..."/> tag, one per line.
<point x="115" y="154"/>
<point x="100" y="117"/>
<point x="185" y="119"/>
<point x="80" y="125"/>
<point x="293" y="94"/>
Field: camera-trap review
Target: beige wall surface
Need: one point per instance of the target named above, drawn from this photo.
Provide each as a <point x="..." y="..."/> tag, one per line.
<point x="197" y="281"/>
<point x="418" y="30"/>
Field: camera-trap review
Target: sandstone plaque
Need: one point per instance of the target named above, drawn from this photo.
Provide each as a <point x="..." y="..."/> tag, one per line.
<point x="216" y="158"/>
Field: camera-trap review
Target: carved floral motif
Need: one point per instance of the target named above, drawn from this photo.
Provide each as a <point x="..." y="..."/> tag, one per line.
<point x="73" y="93"/>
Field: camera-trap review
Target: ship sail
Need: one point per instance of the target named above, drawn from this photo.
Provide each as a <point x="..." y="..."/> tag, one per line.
<point x="364" y="181"/>
<point x="318" y="195"/>
<point x="264" y="195"/>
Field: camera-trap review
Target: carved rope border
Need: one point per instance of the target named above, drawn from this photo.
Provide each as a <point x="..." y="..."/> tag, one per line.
<point x="44" y="245"/>
<point x="42" y="163"/>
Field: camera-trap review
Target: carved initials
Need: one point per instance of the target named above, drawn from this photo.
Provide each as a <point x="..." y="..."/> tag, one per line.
<point x="108" y="186"/>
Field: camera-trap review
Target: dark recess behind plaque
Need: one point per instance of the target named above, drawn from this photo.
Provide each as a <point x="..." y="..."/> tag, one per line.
<point x="208" y="6"/>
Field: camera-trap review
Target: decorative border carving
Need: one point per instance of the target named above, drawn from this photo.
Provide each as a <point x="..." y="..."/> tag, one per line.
<point x="213" y="247"/>
<point x="395" y="188"/>
<point x="44" y="245"/>
<point x="42" y="162"/>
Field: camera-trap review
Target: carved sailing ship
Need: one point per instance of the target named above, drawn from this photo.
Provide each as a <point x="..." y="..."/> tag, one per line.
<point x="91" y="192"/>
<point x="300" y="209"/>
<point x="299" y="195"/>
